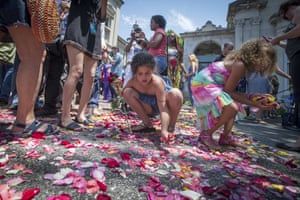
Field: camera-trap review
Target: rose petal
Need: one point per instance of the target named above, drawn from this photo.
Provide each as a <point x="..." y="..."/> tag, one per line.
<point x="60" y="197"/>
<point x="92" y="186"/>
<point x="190" y="194"/>
<point x="98" y="174"/>
<point x="30" y="193"/>
<point x="15" y="181"/>
<point x="103" y="197"/>
<point x="110" y="162"/>
<point x="38" y="135"/>
<point x="125" y="156"/>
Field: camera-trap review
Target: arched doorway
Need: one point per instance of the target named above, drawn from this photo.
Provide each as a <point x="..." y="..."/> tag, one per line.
<point x="206" y="52"/>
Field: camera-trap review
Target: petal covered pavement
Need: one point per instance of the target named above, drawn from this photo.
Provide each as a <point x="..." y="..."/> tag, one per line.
<point x="107" y="161"/>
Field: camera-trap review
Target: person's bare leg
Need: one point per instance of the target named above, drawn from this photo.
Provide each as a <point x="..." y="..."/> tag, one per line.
<point x="89" y="71"/>
<point x="228" y="127"/>
<point x="227" y="138"/>
<point x="228" y="113"/>
<point x="132" y="99"/>
<point x="75" y="71"/>
<point x="32" y="54"/>
<point x="174" y="102"/>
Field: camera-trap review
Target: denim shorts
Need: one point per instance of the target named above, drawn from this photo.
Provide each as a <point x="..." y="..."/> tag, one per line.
<point x="161" y="65"/>
<point x="13" y="12"/>
<point x="150" y="100"/>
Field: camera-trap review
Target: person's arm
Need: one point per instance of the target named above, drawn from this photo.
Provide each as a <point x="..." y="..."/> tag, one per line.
<point x="110" y="60"/>
<point x="103" y="10"/>
<point x="162" y="105"/>
<point x="129" y="84"/>
<point x="237" y="72"/>
<point x="293" y="33"/>
<point x="156" y="41"/>
<point x="178" y="47"/>
<point x="183" y="68"/>
<point x="282" y="73"/>
<point x="116" y="60"/>
<point x="193" y="71"/>
<point x="129" y="45"/>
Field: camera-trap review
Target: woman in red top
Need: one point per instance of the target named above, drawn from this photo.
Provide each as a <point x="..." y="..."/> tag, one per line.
<point x="158" y="45"/>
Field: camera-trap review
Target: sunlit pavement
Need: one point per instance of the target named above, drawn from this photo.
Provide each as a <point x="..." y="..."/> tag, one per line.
<point x="108" y="162"/>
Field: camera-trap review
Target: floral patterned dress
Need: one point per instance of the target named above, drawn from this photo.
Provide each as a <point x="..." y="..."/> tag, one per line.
<point x="209" y="96"/>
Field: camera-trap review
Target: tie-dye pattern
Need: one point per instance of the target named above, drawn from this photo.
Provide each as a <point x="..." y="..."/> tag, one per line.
<point x="209" y="96"/>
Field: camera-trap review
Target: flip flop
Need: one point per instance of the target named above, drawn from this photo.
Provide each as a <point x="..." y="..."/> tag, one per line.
<point x="72" y="126"/>
<point x="143" y="129"/>
<point x="35" y="126"/>
<point x="86" y="122"/>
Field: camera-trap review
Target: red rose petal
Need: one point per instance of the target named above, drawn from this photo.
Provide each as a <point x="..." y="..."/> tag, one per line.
<point x="38" y="135"/>
<point x="60" y="197"/>
<point x="110" y="162"/>
<point x="125" y="156"/>
<point x="102" y="186"/>
<point x="30" y="193"/>
<point x="103" y="197"/>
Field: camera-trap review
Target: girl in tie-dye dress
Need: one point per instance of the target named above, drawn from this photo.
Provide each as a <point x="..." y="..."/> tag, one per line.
<point x="215" y="98"/>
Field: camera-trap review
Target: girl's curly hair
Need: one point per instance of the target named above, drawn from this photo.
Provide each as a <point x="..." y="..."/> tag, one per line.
<point x="142" y="59"/>
<point x="256" y="52"/>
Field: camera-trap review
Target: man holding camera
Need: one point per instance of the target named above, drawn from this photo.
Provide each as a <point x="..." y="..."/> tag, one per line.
<point x="136" y="44"/>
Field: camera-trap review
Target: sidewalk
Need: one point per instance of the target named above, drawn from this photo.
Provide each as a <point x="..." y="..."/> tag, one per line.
<point x="108" y="161"/>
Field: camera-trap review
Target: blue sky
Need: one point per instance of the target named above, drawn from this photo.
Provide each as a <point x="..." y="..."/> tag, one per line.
<point x="181" y="15"/>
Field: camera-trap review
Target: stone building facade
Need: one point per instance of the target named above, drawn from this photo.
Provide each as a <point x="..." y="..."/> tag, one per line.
<point x="246" y="19"/>
<point x="112" y="23"/>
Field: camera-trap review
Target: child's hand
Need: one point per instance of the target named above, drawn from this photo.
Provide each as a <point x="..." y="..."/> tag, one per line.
<point x="265" y="107"/>
<point x="265" y="101"/>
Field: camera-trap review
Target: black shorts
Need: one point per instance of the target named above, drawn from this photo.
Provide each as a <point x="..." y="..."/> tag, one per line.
<point x="295" y="71"/>
<point x="13" y="12"/>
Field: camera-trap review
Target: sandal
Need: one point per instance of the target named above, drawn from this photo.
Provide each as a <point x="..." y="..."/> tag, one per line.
<point x="86" y="122"/>
<point x="230" y="140"/>
<point x="208" y="140"/>
<point x="170" y="140"/>
<point x="35" y="126"/>
<point x="72" y="126"/>
<point x="143" y="129"/>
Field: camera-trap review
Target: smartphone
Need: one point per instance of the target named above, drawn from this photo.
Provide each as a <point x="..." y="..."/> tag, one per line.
<point x="267" y="39"/>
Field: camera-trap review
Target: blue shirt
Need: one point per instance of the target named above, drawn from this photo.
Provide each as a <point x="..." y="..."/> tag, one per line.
<point x="117" y="68"/>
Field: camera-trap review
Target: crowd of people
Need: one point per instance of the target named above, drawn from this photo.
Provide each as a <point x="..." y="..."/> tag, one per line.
<point x="150" y="82"/>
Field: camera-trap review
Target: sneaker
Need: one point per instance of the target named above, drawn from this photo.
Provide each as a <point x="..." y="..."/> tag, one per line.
<point x="207" y="140"/>
<point x="228" y="140"/>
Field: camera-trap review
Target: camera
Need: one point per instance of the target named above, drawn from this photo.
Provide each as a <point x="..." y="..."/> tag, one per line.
<point x="137" y="33"/>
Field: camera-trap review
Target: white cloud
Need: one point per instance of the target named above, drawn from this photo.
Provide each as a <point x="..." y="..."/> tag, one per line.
<point x="178" y="20"/>
<point x="130" y="20"/>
